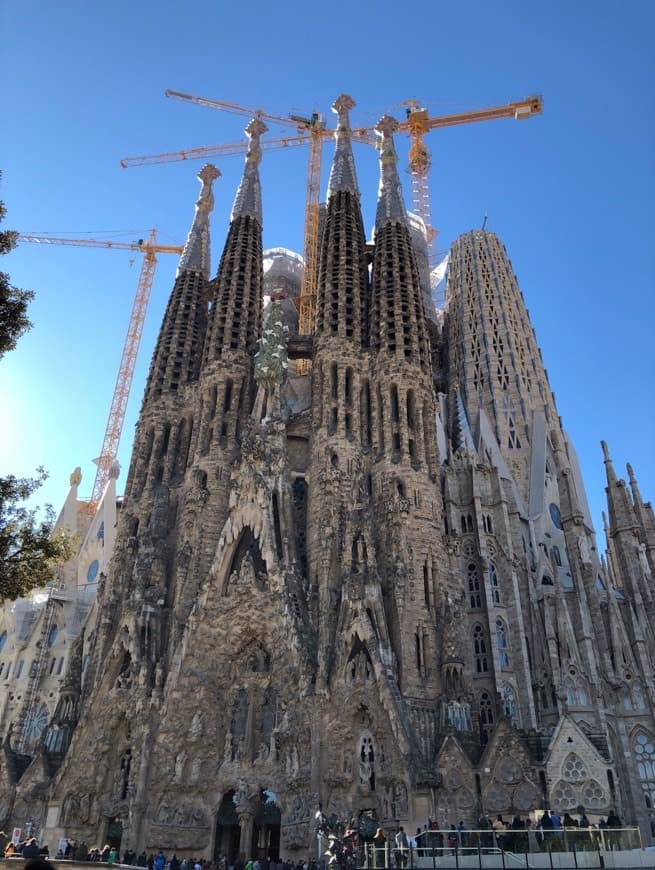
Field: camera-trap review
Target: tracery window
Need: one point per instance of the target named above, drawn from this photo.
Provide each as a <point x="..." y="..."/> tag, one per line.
<point x="474" y="586"/>
<point x="502" y="644"/>
<point x="480" y="650"/>
<point x="493" y="582"/>
<point x="644" y="753"/>
<point x="486" y="718"/>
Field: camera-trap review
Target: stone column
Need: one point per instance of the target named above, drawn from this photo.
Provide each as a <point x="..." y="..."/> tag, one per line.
<point x="246" y="822"/>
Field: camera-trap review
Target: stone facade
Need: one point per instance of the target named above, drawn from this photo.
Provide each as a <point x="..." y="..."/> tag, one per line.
<point x="374" y="589"/>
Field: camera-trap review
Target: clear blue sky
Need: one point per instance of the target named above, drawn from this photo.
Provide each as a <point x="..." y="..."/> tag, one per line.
<point x="570" y="192"/>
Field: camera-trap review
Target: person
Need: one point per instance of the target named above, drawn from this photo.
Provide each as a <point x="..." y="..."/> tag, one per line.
<point x="142" y="860"/>
<point x="379" y="843"/>
<point x="31" y="849"/>
<point x="452" y="838"/>
<point x="463" y="834"/>
<point x="9" y="849"/>
<point x="499" y="830"/>
<point x="175" y="862"/>
<point x="402" y="846"/>
<point x="160" y="861"/>
<point x="113" y="856"/>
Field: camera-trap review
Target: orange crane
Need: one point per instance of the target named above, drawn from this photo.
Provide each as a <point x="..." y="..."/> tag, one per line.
<point x="419" y="123"/>
<point x="116" y="418"/>
<point x="313" y="131"/>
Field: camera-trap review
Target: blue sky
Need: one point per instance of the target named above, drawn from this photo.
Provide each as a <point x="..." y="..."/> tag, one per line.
<point x="570" y="192"/>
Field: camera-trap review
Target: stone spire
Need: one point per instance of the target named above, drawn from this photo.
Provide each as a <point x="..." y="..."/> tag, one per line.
<point x="397" y="319"/>
<point x="177" y="356"/>
<point x="342" y="174"/>
<point x="609" y="466"/>
<point x="235" y="314"/>
<point x="343" y="266"/>
<point x="391" y="206"/>
<point x="195" y="257"/>
<point x="248" y="200"/>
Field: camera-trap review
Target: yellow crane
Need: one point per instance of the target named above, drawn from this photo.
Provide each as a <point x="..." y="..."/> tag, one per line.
<point x="419" y="123"/>
<point x="149" y="248"/>
<point x="313" y="131"/>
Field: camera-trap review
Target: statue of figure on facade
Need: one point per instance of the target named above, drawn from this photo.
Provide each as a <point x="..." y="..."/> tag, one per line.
<point x="643" y="559"/>
<point x="583" y="549"/>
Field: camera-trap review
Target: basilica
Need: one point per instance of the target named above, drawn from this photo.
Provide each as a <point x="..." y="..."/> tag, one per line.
<point x="353" y="571"/>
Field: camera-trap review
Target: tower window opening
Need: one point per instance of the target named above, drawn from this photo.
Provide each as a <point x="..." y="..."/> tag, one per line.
<point x="395" y="407"/>
<point x="426" y="584"/>
<point x="480" y="650"/>
<point x="475" y="599"/>
<point x="365" y="414"/>
<point x="502" y="644"/>
<point x="486" y="718"/>
<point x="227" y="400"/>
<point x="348" y="386"/>
<point x="334" y="379"/>
<point x="494" y="584"/>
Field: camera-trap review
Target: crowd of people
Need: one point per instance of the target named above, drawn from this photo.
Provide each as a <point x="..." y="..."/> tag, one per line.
<point x="549" y="832"/>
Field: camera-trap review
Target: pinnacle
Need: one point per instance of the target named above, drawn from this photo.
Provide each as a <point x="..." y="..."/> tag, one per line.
<point x="195" y="257"/>
<point x="391" y="206"/>
<point x="342" y="174"/>
<point x="248" y="199"/>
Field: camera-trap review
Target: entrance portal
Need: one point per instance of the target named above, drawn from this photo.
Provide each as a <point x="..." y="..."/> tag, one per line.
<point x="114" y="832"/>
<point x="266" y="827"/>
<point x="228" y="830"/>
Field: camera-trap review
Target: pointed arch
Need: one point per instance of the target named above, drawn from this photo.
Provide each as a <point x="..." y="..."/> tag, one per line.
<point x="246" y="565"/>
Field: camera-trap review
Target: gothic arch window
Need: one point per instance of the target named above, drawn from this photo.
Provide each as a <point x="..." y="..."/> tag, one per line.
<point x="502" y="643"/>
<point x="486" y="718"/>
<point x="643" y="748"/>
<point x="52" y="635"/>
<point x="366" y="757"/>
<point x="494" y="584"/>
<point x="557" y="557"/>
<point x="475" y="598"/>
<point x="480" y="650"/>
<point x="3" y="640"/>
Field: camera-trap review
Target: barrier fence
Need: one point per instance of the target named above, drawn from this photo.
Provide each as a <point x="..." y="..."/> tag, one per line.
<point x="563" y="848"/>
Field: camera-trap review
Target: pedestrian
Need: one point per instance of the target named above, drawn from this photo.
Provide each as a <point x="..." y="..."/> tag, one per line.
<point x="402" y="847"/>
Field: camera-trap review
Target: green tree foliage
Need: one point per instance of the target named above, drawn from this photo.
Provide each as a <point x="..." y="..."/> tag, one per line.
<point x="13" y="302"/>
<point x="29" y="550"/>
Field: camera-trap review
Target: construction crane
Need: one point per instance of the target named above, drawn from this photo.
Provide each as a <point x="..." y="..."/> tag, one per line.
<point x="116" y="418"/>
<point x="419" y="123"/>
<point x="313" y="132"/>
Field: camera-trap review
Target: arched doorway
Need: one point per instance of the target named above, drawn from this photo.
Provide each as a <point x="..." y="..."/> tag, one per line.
<point x="114" y="832"/>
<point x="266" y="826"/>
<point x="228" y="830"/>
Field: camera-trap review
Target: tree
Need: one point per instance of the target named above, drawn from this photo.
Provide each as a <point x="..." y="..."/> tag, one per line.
<point x="13" y="302"/>
<point x="29" y="550"/>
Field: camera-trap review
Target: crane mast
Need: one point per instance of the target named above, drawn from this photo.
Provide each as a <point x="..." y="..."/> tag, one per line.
<point x="118" y="408"/>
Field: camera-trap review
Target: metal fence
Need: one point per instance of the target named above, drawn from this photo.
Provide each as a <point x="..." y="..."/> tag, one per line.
<point x="563" y="848"/>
